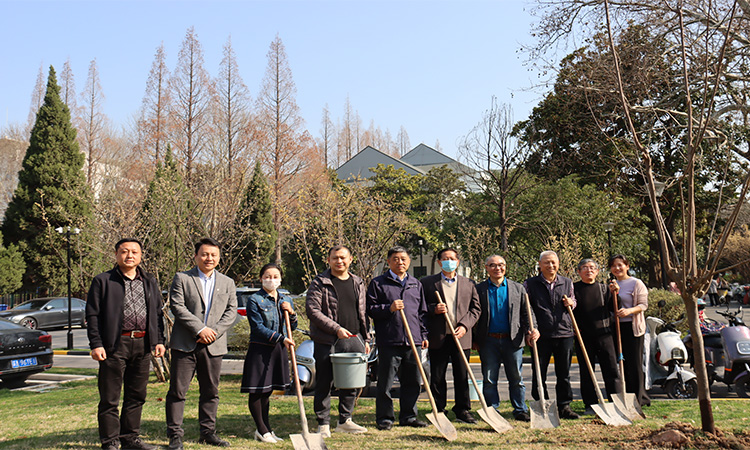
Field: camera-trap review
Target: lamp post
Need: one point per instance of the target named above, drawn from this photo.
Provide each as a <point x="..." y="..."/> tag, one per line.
<point x="67" y="231"/>
<point x="608" y="227"/>
<point x="420" y="243"/>
<point x="658" y="191"/>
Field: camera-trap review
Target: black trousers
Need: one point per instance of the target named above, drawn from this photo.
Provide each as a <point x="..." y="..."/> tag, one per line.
<point x="632" y="352"/>
<point x="562" y="350"/>
<point x="127" y="369"/>
<point x="599" y="348"/>
<point x="439" y="359"/>
<point x="323" y="385"/>
<point x="392" y="360"/>
<point x="184" y="366"/>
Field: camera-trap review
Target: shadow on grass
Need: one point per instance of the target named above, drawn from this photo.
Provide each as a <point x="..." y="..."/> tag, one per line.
<point x="86" y="438"/>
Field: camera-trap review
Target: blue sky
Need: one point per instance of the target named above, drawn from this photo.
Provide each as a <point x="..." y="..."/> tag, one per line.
<point x="431" y="66"/>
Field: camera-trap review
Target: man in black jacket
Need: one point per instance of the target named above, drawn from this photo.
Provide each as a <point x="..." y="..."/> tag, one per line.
<point x="124" y="326"/>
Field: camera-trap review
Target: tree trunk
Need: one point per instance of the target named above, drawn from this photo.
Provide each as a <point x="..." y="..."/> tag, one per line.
<point x="704" y="392"/>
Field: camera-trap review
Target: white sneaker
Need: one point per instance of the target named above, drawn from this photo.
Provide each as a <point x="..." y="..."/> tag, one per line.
<point x="324" y="430"/>
<point x="278" y="439"/>
<point x="350" y="427"/>
<point x="267" y="438"/>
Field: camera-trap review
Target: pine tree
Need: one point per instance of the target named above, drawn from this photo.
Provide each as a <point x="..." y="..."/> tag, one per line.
<point x="168" y="222"/>
<point x="255" y="221"/>
<point x="51" y="193"/>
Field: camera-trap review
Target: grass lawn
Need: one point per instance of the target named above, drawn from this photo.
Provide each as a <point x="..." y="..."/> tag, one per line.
<point x="65" y="418"/>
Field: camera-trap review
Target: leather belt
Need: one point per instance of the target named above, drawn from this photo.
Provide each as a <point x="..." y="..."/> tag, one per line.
<point x="498" y="335"/>
<point x="134" y="333"/>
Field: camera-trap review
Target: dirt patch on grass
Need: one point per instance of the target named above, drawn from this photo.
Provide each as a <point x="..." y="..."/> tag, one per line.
<point x="684" y="435"/>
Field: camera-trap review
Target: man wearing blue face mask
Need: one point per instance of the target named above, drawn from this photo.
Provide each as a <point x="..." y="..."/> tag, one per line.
<point x="461" y="304"/>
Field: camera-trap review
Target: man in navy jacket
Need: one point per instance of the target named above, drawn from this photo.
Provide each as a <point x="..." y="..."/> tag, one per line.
<point x="387" y="294"/>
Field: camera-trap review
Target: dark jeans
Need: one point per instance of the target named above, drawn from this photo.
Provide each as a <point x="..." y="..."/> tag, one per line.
<point x="439" y="359"/>
<point x="601" y="348"/>
<point x="562" y="350"/>
<point x="184" y="366"/>
<point x="493" y="353"/>
<point x="632" y="352"/>
<point x="127" y="368"/>
<point x="323" y="384"/>
<point x="399" y="360"/>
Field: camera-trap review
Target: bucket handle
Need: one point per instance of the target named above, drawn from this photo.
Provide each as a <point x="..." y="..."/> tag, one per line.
<point x="358" y="337"/>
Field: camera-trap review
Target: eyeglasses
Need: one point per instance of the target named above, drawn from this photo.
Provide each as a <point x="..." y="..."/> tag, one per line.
<point x="592" y="268"/>
<point x="495" y="266"/>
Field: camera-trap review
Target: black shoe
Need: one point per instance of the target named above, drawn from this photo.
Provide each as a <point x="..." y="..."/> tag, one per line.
<point x="136" y="444"/>
<point x="213" y="439"/>
<point x="523" y="416"/>
<point x="112" y="445"/>
<point x="465" y="417"/>
<point x="175" y="443"/>
<point x="384" y="425"/>
<point x="414" y="423"/>
<point x="567" y="413"/>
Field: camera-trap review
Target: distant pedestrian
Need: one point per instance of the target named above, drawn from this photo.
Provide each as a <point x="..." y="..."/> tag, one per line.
<point x="713" y="291"/>
<point x="124" y="315"/>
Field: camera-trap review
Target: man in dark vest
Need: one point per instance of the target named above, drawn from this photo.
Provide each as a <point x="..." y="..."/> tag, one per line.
<point x="549" y="294"/>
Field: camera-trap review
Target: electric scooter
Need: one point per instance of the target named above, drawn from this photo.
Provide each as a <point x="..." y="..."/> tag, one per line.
<point x="729" y="349"/>
<point x="667" y="354"/>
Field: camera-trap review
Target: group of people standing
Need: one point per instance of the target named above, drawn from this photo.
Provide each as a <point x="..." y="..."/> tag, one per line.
<point x="126" y="324"/>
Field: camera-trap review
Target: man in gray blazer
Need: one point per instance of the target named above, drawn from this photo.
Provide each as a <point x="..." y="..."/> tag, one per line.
<point x="461" y="303"/>
<point x="499" y="335"/>
<point x="204" y="304"/>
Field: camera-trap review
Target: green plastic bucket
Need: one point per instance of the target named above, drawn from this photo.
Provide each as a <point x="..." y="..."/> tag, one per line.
<point x="349" y="370"/>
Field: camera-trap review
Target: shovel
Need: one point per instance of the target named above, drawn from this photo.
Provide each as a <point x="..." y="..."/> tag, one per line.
<point x="443" y="425"/>
<point x="543" y="412"/>
<point x="489" y="415"/>
<point x="306" y="440"/>
<point x="625" y="401"/>
<point x="608" y="412"/>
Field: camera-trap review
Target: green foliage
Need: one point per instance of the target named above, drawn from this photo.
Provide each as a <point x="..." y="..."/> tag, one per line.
<point x="12" y="268"/>
<point x="52" y="192"/>
<point x="168" y="223"/>
<point x="255" y="224"/>
<point x="671" y="312"/>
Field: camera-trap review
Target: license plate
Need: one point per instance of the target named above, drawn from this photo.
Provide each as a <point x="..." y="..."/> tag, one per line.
<point x="17" y="363"/>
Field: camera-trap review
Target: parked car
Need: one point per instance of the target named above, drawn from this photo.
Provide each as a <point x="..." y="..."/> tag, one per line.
<point x="23" y="352"/>
<point x="46" y="313"/>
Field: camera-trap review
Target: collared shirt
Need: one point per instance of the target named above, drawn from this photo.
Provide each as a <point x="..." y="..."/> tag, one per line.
<point x="499" y="311"/>
<point x="208" y="290"/>
<point x="134" y="305"/>
<point x="396" y="277"/>
<point x="448" y="280"/>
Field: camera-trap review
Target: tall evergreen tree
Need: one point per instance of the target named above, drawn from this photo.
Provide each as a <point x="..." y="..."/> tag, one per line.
<point x="255" y="221"/>
<point x="51" y="193"/>
<point x="168" y="222"/>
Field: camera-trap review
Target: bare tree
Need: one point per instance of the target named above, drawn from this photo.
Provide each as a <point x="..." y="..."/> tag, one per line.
<point x="490" y="148"/>
<point x="37" y="98"/>
<point x="92" y="124"/>
<point x="402" y="141"/>
<point x="192" y="95"/>
<point x="327" y="133"/>
<point x="285" y="145"/>
<point x="233" y="112"/>
<point x="153" y="124"/>
<point x="68" y="88"/>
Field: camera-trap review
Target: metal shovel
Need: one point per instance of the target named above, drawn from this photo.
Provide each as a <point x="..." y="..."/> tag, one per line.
<point x="489" y="415"/>
<point x="625" y="401"/>
<point x="543" y="412"/>
<point x="443" y="425"/>
<point x="608" y="412"/>
<point x="306" y="440"/>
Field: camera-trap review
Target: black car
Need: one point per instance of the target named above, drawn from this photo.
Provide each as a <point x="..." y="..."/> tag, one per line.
<point x="23" y="352"/>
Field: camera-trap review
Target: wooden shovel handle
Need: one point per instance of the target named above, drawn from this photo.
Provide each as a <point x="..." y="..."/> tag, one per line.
<point x="585" y="354"/>
<point x="535" y="352"/>
<point x="419" y="360"/>
<point x="297" y="387"/>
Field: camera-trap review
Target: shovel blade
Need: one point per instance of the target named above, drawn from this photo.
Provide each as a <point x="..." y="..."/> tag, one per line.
<point x="496" y="421"/>
<point x="443" y="425"/>
<point x="610" y="415"/>
<point x="544" y="414"/>
<point x="629" y="405"/>
<point x="310" y="441"/>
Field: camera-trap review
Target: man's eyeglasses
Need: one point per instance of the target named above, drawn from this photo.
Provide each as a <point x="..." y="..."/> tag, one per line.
<point x="495" y="266"/>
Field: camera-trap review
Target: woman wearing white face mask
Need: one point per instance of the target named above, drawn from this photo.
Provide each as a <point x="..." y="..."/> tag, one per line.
<point x="266" y="365"/>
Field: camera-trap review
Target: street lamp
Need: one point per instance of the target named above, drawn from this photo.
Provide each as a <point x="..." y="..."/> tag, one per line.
<point x="608" y="227"/>
<point x="420" y="243"/>
<point x="67" y="231"/>
<point x="658" y="191"/>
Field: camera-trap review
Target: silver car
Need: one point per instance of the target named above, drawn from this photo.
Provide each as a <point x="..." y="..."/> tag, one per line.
<point x="48" y="312"/>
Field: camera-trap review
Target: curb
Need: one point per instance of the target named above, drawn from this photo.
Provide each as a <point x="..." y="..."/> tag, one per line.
<point x="71" y="352"/>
